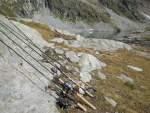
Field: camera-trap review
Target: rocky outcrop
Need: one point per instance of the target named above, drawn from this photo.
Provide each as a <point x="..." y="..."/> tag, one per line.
<point x="18" y="93"/>
<point x="99" y="44"/>
<point x="89" y="63"/>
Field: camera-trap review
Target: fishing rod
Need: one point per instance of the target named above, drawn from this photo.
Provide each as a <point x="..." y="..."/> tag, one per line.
<point x="26" y="52"/>
<point x="71" y="98"/>
<point x="78" y="104"/>
<point x="88" y="93"/>
<point x="24" y="43"/>
<point x="45" y="54"/>
<point x="25" y="60"/>
<point x="30" y="41"/>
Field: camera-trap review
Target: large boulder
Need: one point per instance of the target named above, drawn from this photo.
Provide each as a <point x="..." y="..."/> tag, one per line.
<point x="87" y="64"/>
<point x="99" y="44"/>
<point x="22" y="87"/>
<point x="72" y="56"/>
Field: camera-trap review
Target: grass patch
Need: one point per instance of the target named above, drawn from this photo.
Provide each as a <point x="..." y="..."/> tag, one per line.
<point x="43" y="29"/>
<point x="147" y="28"/>
<point x="147" y="37"/>
<point x="130" y="85"/>
<point x="130" y="98"/>
<point x="46" y="32"/>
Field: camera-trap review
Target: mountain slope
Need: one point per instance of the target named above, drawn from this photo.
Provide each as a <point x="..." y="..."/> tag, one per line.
<point x="126" y="8"/>
<point x="87" y="10"/>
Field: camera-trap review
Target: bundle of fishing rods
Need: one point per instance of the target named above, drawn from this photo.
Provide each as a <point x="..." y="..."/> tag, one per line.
<point x="18" y="34"/>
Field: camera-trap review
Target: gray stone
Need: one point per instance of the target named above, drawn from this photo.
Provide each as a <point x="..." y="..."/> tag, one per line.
<point x="59" y="51"/>
<point x="85" y="76"/>
<point x="99" y="44"/>
<point x="111" y="101"/>
<point x="135" y="68"/>
<point x="89" y="63"/>
<point x="72" y="56"/>
<point x="97" y="53"/>
<point x="58" y="40"/>
<point x="101" y="75"/>
<point x="125" y="78"/>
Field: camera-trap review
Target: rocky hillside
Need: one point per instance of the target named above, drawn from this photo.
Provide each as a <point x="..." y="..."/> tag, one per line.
<point x="119" y="72"/>
<point x="87" y="10"/>
<point x="111" y="19"/>
<point x="124" y="7"/>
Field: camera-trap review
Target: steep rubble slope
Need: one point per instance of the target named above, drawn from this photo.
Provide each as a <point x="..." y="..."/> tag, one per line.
<point x="128" y="8"/>
<point x="23" y="8"/>
<point x="87" y="10"/>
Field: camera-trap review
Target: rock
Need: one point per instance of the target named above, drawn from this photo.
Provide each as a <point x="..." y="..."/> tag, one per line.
<point x="18" y="94"/>
<point x="72" y="56"/>
<point x="85" y="76"/>
<point x="81" y="91"/>
<point x="97" y="53"/>
<point x="101" y="76"/>
<point x="69" y="68"/>
<point x="125" y="78"/>
<point x="58" y="40"/>
<point x="65" y="49"/>
<point x="135" y="68"/>
<point x="59" y="51"/>
<point x="52" y="45"/>
<point x="80" y="54"/>
<point x="99" y="44"/>
<point x="89" y="63"/>
<point x="79" y="37"/>
<point x="111" y="101"/>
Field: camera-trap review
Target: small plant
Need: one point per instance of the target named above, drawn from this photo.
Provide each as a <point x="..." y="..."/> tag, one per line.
<point x="147" y="28"/>
<point x="130" y="85"/>
<point x="147" y="37"/>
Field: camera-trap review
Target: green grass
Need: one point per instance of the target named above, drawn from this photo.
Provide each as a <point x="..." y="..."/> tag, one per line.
<point x="147" y="37"/>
